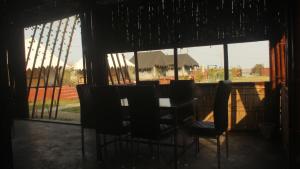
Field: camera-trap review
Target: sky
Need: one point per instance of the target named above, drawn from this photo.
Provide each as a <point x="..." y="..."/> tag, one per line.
<point x="75" y="52"/>
<point x="244" y="55"/>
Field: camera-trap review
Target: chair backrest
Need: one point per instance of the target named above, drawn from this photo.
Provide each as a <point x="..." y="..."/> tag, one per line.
<point x="148" y="82"/>
<point x="87" y="114"/>
<point x="182" y="91"/>
<point x="221" y="105"/>
<point x="144" y="112"/>
<point x="108" y="110"/>
<point x="151" y="82"/>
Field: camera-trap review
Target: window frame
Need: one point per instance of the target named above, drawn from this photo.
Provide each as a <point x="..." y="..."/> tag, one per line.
<point x="175" y="49"/>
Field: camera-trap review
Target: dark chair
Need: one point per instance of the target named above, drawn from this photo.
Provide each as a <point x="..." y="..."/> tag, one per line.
<point x="148" y="82"/>
<point x="182" y="93"/>
<point x="87" y="114"/>
<point x="220" y="124"/>
<point x="145" y="117"/>
<point x="109" y="114"/>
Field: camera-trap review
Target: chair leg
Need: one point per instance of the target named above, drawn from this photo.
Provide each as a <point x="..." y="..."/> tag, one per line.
<point x="98" y="147"/>
<point x="218" y="152"/>
<point x="116" y="144"/>
<point x="82" y="142"/>
<point x="175" y="151"/>
<point x="120" y="143"/>
<point x="227" y="144"/>
<point x="132" y="153"/>
<point x="138" y="149"/>
<point x="196" y="145"/>
<point x="13" y="129"/>
<point x="158" y="155"/>
<point x="105" y="145"/>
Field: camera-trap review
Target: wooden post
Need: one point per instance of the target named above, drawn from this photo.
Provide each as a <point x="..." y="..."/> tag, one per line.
<point x="294" y="80"/>
<point x="226" y="69"/>
<point x="136" y="62"/>
<point x="176" y="63"/>
<point x="283" y="59"/>
<point x="278" y="63"/>
<point x="273" y="67"/>
<point x="16" y="53"/>
<point x="100" y="43"/>
<point x="6" y="116"/>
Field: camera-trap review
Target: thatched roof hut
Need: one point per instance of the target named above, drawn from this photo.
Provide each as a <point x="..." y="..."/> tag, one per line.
<point x="147" y="60"/>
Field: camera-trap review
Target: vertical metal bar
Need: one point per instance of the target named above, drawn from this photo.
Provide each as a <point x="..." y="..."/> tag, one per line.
<point x="176" y="63"/>
<point x="117" y="73"/>
<point x="49" y="68"/>
<point x="65" y="63"/>
<point x="40" y="72"/>
<point x="120" y="68"/>
<point x="226" y="69"/>
<point x="35" y="57"/>
<point x="57" y="65"/>
<point x="30" y="47"/>
<point x="136" y="62"/>
<point x="126" y="68"/>
<point x="109" y="73"/>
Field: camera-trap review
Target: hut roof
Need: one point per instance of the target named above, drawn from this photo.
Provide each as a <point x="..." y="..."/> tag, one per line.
<point x="186" y="60"/>
<point x="148" y="60"/>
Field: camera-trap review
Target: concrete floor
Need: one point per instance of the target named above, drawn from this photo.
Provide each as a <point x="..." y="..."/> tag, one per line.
<point x="39" y="145"/>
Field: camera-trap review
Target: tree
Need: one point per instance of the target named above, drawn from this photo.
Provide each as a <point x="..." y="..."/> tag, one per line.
<point x="236" y="72"/>
<point x="198" y="75"/>
<point x="256" y="70"/>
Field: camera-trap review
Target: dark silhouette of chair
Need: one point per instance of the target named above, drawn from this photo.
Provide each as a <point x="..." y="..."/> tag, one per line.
<point x="109" y="114"/>
<point x="182" y="93"/>
<point x="220" y="114"/>
<point x="148" y="82"/>
<point x="87" y="114"/>
<point x="145" y="117"/>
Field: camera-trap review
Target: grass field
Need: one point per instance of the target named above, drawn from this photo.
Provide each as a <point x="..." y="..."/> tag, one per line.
<point x="68" y="110"/>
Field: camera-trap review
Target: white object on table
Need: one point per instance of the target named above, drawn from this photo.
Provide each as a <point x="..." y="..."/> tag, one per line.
<point x="163" y="102"/>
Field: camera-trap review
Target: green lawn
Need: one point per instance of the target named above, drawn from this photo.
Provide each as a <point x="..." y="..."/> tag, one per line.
<point x="69" y="110"/>
<point x="72" y="109"/>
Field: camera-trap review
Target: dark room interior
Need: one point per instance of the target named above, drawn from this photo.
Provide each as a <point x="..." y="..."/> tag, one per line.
<point x="150" y="84"/>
